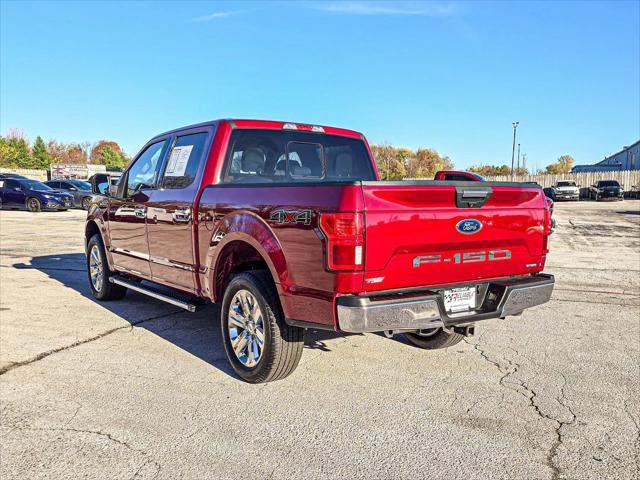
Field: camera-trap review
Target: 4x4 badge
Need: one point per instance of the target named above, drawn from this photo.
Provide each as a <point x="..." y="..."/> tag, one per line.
<point x="291" y="216"/>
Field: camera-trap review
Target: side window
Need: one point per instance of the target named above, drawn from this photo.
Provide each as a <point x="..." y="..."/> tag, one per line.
<point x="184" y="160"/>
<point x="143" y="174"/>
<point x="11" y="184"/>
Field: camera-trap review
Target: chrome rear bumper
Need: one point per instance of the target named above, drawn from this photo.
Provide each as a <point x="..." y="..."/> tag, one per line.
<point x="423" y="310"/>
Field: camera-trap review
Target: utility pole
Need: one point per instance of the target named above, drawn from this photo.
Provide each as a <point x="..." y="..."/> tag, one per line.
<point x="513" y="147"/>
<point x="518" y="169"/>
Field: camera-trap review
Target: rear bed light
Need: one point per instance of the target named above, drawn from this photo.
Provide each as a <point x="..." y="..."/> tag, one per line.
<point x="345" y="240"/>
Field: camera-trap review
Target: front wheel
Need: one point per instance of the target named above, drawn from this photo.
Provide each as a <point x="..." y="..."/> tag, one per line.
<point x="433" y="339"/>
<point x="259" y="344"/>
<point x="99" y="273"/>
<point x="34" y="205"/>
<point x="86" y="203"/>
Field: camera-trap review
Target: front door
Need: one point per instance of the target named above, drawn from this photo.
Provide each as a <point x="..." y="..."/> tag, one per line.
<point x="169" y="211"/>
<point x="128" y="211"/>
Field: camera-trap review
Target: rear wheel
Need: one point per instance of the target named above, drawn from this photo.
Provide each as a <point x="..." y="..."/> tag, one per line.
<point x="33" y="204"/>
<point x="99" y="273"/>
<point x="434" y="338"/>
<point x="260" y="346"/>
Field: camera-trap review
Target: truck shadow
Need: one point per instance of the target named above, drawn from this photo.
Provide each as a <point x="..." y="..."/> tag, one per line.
<point x="196" y="333"/>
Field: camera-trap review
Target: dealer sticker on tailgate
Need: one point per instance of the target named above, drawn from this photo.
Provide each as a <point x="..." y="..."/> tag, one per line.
<point x="459" y="299"/>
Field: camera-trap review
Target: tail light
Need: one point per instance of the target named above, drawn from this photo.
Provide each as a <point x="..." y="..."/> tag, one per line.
<point x="345" y="240"/>
<point x="549" y="224"/>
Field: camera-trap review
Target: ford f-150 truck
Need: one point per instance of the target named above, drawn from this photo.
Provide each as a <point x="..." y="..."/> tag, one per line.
<point x="288" y="227"/>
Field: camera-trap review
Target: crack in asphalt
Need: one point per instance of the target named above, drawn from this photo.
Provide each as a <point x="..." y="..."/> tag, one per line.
<point x="530" y="394"/>
<point x="40" y="356"/>
<point x="109" y="437"/>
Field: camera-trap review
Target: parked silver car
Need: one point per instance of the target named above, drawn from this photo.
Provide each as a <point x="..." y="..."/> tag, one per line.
<point x="566" y="190"/>
<point x="80" y="189"/>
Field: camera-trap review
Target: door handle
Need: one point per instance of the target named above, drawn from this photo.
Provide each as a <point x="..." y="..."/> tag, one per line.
<point x="140" y="212"/>
<point x="182" y="215"/>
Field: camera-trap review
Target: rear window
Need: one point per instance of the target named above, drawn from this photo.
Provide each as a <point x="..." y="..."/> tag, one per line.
<point x="274" y="156"/>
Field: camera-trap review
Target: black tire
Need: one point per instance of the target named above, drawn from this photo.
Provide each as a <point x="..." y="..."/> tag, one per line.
<point x="282" y="344"/>
<point x="435" y="340"/>
<point x="33" y="204"/>
<point x="86" y="203"/>
<point x="105" y="290"/>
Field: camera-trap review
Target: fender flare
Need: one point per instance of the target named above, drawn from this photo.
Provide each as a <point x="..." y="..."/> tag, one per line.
<point x="249" y="228"/>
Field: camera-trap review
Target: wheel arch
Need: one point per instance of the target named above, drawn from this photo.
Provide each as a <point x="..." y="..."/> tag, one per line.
<point x="247" y="243"/>
<point x="93" y="227"/>
<point x="34" y="196"/>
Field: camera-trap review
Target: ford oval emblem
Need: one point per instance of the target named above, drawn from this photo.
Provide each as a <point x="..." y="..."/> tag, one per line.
<point x="469" y="226"/>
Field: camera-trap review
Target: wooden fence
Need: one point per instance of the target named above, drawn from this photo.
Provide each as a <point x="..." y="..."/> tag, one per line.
<point x="628" y="178"/>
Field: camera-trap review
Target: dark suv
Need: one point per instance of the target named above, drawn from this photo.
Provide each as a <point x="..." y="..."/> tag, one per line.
<point x="606" y="189"/>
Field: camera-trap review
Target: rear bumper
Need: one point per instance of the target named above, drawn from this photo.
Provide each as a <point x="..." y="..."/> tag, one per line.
<point x="423" y="310"/>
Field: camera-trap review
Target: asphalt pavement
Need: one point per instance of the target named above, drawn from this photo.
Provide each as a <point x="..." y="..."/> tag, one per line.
<point x="139" y="389"/>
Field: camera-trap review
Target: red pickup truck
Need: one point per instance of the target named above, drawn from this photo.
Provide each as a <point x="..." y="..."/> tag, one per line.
<point x="288" y="227"/>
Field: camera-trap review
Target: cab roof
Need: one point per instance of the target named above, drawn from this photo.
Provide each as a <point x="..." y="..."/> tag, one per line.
<point x="270" y="125"/>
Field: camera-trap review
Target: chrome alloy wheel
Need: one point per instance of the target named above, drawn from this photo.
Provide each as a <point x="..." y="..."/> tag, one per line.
<point x="246" y="328"/>
<point x="95" y="268"/>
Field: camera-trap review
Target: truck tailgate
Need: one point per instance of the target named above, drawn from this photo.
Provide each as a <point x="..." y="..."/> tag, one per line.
<point x="421" y="234"/>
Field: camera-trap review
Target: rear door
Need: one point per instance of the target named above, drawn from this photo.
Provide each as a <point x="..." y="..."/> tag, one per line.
<point x="170" y="210"/>
<point x="128" y="210"/>
<point x="435" y="233"/>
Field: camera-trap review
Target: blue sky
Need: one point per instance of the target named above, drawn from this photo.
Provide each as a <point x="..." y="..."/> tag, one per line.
<point x="446" y="75"/>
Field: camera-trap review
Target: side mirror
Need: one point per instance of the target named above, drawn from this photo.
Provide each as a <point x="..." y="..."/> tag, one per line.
<point x="100" y="184"/>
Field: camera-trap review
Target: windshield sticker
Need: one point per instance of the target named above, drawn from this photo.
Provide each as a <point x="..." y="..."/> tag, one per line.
<point x="178" y="161"/>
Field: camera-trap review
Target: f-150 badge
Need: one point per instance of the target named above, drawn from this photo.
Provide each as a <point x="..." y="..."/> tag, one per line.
<point x="291" y="216"/>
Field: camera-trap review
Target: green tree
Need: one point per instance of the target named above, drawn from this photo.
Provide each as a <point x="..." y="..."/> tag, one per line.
<point x="98" y="150"/>
<point x="562" y="165"/>
<point x="112" y="159"/>
<point x="21" y="154"/>
<point x="426" y="162"/>
<point x="490" y="170"/>
<point x="8" y="154"/>
<point x="41" y="157"/>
